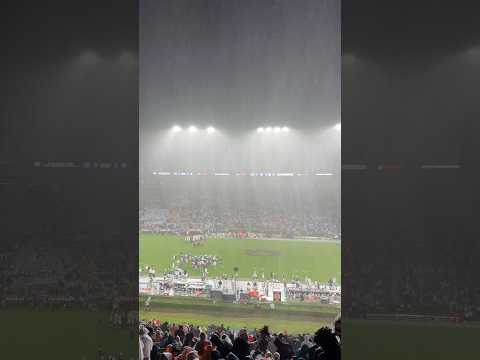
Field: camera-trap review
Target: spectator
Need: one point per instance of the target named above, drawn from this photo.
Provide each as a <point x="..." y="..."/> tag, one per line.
<point x="214" y="343"/>
<point x="220" y="346"/>
<point x="147" y="342"/>
<point x="327" y="342"/>
<point x="240" y="345"/>
<point x="284" y="349"/>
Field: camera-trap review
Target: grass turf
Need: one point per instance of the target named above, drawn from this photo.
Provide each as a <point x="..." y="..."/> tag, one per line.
<point x="294" y="318"/>
<point x="319" y="261"/>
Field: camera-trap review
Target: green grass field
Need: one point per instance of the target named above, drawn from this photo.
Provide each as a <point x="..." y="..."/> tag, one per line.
<point x="318" y="260"/>
<point x="295" y="318"/>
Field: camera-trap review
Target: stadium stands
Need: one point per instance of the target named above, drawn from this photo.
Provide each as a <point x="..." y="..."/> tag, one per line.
<point x="280" y="222"/>
<point x="160" y="341"/>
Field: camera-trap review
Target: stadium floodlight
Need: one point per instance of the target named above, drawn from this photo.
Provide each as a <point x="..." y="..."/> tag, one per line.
<point x="276" y="129"/>
<point x="338" y="127"/>
<point x="192" y="129"/>
<point x="285" y="129"/>
<point x="268" y="129"/>
<point x="260" y="130"/>
<point x="176" y="128"/>
<point x="210" y="130"/>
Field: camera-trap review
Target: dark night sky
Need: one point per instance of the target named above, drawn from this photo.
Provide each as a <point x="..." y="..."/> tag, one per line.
<point x="256" y="61"/>
<point x="239" y="64"/>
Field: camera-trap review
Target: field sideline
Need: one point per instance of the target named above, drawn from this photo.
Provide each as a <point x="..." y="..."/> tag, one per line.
<point x="294" y="318"/>
<point x="318" y="260"/>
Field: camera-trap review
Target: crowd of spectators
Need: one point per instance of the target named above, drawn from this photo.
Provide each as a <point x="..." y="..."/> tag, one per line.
<point x="40" y="274"/>
<point x="164" y="341"/>
<point x="267" y="221"/>
<point x="379" y="287"/>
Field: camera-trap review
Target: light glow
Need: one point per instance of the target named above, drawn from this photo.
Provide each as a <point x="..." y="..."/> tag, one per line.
<point x="210" y="130"/>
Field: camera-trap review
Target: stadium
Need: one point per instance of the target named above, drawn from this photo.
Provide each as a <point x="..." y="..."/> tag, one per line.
<point x="241" y="240"/>
<point x="232" y="250"/>
<point x="239" y="194"/>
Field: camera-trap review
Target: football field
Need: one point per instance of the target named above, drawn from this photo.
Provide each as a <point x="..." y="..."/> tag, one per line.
<point x="318" y="260"/>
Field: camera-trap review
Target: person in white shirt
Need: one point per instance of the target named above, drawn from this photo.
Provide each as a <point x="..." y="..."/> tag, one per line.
<point x="140" y="349"/>
<point x="147" y="342"/>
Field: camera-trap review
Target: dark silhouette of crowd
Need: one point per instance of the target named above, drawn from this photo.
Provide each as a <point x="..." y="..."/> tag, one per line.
<point x="188" y="342"/>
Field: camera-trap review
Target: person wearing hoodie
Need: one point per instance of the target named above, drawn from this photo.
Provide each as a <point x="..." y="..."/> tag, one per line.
<point x="241" y="348"/>
<point x="284" y="349"/>
<point x="227" y="341"/>
<point x="219" y="346"/>
<point x="177" y="344"/>
<point x="327" y="344"/>
<point x="304" y="349"/>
